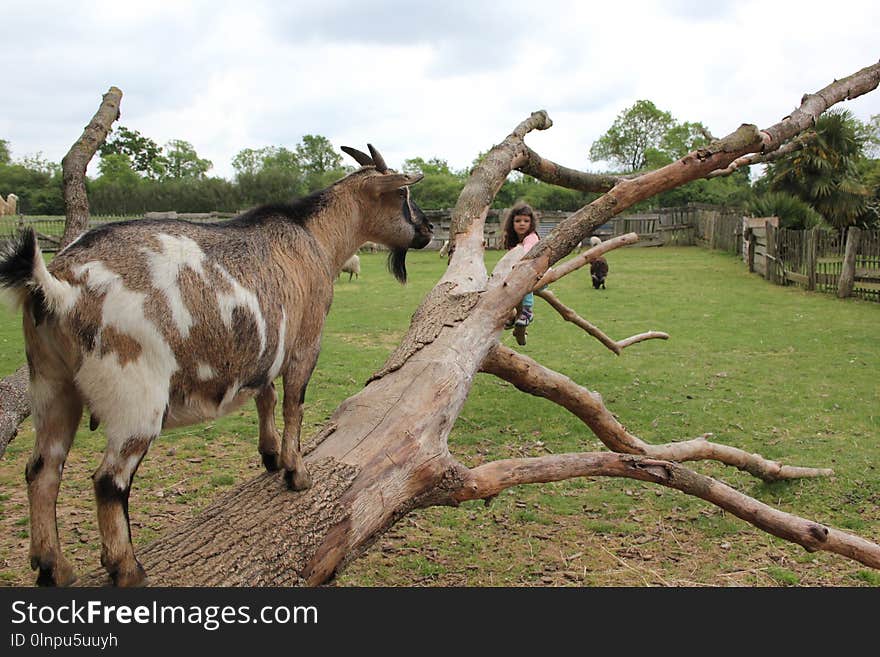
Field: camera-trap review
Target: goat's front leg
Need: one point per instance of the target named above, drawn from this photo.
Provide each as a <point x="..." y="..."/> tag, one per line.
<point x="295" y="381"/>
<point x="270" y="439"/>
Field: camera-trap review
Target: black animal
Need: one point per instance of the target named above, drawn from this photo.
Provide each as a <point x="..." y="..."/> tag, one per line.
<point x="599" y="267"/>
<point x="599" y="271"/>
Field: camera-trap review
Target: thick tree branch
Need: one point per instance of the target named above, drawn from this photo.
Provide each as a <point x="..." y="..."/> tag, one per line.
<point x="570" y="315"/>
<point x="490" y="479"/>
<point x="795" y="144"/>
<point x="74" y="164"/>
<point x="530" y="376"/>
<point x="556" y="174"/>
<point x="466" y="267"/>
<point x="698" y="164"/>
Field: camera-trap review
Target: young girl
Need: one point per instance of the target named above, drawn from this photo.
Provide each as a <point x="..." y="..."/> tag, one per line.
<point x="521" y="227"/>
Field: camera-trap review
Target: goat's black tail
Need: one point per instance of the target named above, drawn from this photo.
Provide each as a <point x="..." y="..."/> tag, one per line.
<point x="17" y="261"/>
<point x="23" y="274"/>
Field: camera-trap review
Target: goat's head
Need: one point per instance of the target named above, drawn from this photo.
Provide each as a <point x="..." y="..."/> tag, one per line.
<point x="396" y="221"/>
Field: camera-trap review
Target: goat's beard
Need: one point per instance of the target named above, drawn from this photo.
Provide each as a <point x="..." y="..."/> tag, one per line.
<point x="397" y="264"/>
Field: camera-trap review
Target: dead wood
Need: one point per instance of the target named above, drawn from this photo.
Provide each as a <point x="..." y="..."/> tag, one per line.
<point x="796" y="144"/>
<point x="384" y="451"/>
<point x="488" y="480"/>
<point x="74" y="164"/>
<point x="617" y="346"/>
<point x="530" y="376"/>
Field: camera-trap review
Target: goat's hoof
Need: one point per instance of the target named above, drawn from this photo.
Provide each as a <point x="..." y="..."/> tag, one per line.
<point x="272" y="462"/>
<point x="130" y="576"/>
<point x="57" y="573"/>
<point x="298" y="479"/>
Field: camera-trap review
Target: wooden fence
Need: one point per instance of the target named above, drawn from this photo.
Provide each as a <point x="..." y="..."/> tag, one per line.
<point x="684" y="226"/>
<point x="49" y="229"/>
<point x="817" y="259"/>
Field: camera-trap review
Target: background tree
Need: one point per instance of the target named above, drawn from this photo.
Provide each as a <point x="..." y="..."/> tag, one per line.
<point x="36" y="181"/>
<point x="792" y="211"/>
<point x="268" y="175"/>
<point x="635" y="131"/>
<point x="144" y="155"/>
<point x="319" y="161"/>
<point x="869" y="133"/>
<point x="440" y="187"/>
<point x="182" y="161"/>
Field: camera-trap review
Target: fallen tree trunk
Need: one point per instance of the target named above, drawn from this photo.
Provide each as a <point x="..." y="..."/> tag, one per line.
<point x="384" y="451"/>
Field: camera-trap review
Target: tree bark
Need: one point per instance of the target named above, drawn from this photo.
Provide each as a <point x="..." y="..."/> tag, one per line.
<point x="74" y="164"/>
<point x="15" y="405"/>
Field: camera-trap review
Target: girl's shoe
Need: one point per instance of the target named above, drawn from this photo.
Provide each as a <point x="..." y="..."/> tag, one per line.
<point x="525" y="317"/>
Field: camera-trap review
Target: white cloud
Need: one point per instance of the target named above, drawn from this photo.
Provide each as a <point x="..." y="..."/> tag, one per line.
<point x="445" y="79"/>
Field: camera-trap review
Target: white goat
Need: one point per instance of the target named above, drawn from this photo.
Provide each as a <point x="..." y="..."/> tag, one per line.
<point x="352" y="266"/>
<point x="155" y="324"/>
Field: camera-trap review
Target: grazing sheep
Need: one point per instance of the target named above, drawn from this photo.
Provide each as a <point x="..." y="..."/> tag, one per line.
<point x="599" y="267"/>
<point x="153" y="324"/>
<point x="352" y="266"/>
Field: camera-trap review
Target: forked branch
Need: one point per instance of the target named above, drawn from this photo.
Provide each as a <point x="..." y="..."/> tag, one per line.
<point x="570" y="315"/>
<point x="488" y="480"/>
<point x="530" y="376"/>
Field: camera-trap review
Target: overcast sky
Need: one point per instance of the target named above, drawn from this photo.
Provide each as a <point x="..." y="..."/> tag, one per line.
<point x="419" y="78"/>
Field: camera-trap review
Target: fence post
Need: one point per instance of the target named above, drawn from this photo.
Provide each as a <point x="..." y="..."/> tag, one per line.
<point x="770" y="256"/>
<point x="848" y="273"/>
<point x="812" y="257"/>
<point x="750" y="252"/>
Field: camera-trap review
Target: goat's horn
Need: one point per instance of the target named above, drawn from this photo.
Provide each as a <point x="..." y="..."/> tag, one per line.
<point x="360" y="157"/>
<point x="381" y="167"/>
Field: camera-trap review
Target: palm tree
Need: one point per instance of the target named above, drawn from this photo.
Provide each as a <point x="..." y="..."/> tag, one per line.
<point x="824" y="173"/>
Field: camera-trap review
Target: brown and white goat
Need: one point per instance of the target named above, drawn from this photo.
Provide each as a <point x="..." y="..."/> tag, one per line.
<point x="155" y="324"/>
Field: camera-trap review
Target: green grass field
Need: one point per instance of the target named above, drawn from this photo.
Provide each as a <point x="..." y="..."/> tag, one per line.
<point x="786" y="373"/>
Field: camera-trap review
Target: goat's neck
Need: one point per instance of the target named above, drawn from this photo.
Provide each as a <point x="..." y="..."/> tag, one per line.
<point x="337" y="230"/>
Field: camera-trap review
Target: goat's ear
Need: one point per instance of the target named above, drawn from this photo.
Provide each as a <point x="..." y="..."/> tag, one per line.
<point x="391" y="181"/>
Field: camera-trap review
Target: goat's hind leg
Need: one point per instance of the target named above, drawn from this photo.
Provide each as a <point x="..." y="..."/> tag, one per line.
<point x="57" y="409"/>
<point x="270" y="440"/>
<point x="112" y="481"/>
